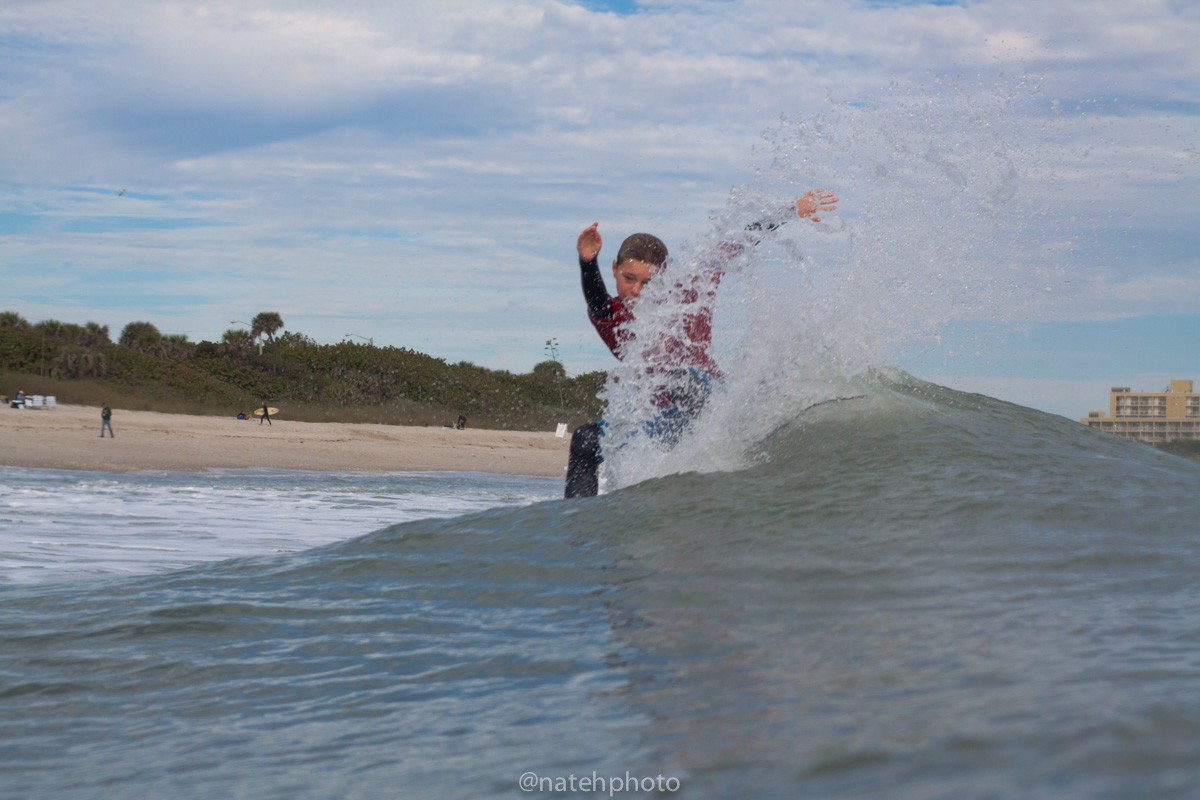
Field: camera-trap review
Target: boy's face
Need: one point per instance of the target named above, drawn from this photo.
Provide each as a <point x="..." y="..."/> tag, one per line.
<point x="632" y="276"/>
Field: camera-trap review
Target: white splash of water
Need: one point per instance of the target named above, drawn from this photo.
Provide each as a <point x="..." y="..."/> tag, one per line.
<point x="933" y="226"/>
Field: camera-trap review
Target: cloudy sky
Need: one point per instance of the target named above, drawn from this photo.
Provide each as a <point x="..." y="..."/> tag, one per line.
<point x="416" y="173"/>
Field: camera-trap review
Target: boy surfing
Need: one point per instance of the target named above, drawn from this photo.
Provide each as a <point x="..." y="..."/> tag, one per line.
<point x="682" y="360"/>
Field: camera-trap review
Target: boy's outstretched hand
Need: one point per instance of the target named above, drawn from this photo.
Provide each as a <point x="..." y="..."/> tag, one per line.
<point x="589" y="242"/>
<point x="810" y="203"/>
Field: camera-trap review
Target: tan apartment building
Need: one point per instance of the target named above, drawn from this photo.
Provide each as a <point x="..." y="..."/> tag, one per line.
<point x="1150" y="416"/>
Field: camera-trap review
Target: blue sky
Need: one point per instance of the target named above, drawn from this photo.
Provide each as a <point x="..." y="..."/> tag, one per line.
<point x="418" y="173"/>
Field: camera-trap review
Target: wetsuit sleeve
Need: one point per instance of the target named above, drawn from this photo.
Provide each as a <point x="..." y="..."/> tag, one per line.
<point x="728" y="250"/>
<point x="598" y="302"/>
<point x="773" y="221"/>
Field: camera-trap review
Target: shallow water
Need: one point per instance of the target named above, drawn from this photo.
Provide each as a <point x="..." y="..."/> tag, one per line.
<point x="59" y="522"/>
<point x="922" y="594"/>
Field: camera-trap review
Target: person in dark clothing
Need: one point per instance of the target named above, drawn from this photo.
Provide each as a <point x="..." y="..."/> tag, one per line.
<point x="583" y="461"/>
<point x="266" y="415"/>
<point x="683" y="359"/>
<point x="106" y="421"/>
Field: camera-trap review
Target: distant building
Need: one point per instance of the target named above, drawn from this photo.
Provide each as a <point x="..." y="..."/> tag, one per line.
<point x="1150" y="416"/>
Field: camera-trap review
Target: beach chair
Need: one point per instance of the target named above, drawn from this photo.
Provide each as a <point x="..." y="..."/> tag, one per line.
<point x="51" y="401"/>
<point x="36" y="401"/>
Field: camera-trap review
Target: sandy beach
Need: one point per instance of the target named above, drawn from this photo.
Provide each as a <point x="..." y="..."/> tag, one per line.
<point x="68" y="437"/>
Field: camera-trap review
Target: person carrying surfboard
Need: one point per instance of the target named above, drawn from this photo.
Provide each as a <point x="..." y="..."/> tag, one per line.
<point x="683" y="360"/>
<point x="266" y="415"/>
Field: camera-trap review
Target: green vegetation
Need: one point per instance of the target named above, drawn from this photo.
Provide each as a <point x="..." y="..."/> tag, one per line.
<point x="344" y="382"/>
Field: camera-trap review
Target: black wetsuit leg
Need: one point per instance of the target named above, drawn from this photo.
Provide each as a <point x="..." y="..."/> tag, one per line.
<point x="583" y="464"/>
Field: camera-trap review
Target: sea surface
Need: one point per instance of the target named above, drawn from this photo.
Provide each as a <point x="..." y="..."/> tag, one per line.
<point x="916" y="594"/>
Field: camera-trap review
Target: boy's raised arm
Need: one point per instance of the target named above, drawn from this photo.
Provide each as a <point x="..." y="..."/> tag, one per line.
<point x="594" y="292"/>
<point x="807" y="206"/>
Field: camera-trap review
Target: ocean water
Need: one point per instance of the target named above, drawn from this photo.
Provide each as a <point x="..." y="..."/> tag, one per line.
<point x="908" y="593"/>
<point x="58" y="524"/>
<point x="919" y="593"/>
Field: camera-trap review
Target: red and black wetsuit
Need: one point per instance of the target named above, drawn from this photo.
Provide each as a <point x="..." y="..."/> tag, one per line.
<point x="688" y="347"/>
<point x="681" y="358"/>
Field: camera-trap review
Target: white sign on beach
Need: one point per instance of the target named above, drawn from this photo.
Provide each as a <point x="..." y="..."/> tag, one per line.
<point x="562" y="430"/>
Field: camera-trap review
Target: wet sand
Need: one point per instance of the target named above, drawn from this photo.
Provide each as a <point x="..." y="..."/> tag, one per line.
<point x="68" y="437"/>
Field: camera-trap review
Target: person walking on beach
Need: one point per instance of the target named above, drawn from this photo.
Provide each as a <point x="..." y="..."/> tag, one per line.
<point x="266" y="415"/>
<point x="106" y="420"/>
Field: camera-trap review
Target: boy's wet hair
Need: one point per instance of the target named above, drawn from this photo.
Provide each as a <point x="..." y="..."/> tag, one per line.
<point x="644" y="247"/>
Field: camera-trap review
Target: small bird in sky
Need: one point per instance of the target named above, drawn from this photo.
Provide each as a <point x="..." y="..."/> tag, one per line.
<point x="120" y="193"/>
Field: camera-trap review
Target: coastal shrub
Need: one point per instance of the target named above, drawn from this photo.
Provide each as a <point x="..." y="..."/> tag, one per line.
<point x="346" y="381"/>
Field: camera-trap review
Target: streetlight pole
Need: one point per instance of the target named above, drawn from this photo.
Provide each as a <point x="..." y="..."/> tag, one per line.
<point x="251" y="327"/>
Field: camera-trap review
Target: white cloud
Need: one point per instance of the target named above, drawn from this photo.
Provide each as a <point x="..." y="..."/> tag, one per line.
<point x="456" y="148"/>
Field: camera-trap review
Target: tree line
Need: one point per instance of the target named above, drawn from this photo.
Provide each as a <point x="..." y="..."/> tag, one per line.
<point x="386" y="384"/>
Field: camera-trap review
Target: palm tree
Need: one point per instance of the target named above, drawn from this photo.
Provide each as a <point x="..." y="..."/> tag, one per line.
<point x="174" y="346"/>
<point x="266" y="323"/>
<point x="52" y="328"/>
<point x="94" y="335"/>
<point x="11" y="319"/>
<point x="140" y="336"/>
<point x="237" y="340"/>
